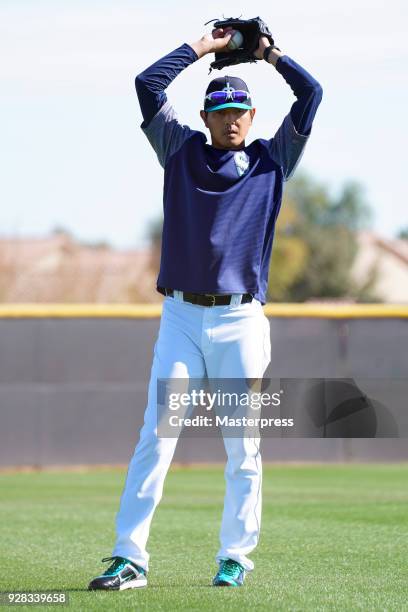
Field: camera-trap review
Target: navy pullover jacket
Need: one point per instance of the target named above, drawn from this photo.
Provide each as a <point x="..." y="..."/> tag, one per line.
<point x="220" y="206"/>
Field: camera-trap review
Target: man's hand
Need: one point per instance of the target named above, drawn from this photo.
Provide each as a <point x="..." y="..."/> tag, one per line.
<point x="217" y="40"/>
<point x="263" y="43"/>
<point x="274" y="55"/>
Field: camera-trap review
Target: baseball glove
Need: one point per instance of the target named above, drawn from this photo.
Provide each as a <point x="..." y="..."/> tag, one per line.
<point x="251" y="30"/>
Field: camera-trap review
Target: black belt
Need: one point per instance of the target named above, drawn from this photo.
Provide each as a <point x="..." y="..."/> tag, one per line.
<point x="206" y="299"/>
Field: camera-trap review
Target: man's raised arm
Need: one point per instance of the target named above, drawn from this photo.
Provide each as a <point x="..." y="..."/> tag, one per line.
<point x="288" y="144"/>
<point x="160" y="123"/>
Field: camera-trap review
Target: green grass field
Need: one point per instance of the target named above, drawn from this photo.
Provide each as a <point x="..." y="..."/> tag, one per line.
<point x="334" y="537"/>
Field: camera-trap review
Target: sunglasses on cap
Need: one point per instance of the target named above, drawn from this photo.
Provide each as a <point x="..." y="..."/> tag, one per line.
<point x="220" y="97"/>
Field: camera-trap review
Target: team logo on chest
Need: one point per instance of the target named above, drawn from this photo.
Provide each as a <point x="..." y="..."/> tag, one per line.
<point x="241" y="162"/>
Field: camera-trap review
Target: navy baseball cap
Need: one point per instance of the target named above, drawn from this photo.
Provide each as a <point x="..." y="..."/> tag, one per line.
<point x="227" y="92"/>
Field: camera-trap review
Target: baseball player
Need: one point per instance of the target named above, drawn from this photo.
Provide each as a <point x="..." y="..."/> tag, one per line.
<point x="221" y="202"/>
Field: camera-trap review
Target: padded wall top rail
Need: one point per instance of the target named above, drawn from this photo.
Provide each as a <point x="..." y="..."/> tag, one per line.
<point x="143" y="311"/>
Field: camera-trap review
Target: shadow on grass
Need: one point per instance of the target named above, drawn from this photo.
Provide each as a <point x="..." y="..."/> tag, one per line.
<point x="150" y="587"/>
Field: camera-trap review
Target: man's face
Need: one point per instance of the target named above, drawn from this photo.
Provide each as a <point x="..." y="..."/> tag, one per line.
<point x="228" y="126"/>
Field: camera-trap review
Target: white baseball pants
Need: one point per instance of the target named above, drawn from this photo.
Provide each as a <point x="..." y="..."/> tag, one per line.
<point x="194" y="341"/>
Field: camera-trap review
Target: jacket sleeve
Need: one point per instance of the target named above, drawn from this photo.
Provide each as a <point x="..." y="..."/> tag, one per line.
<point x="160" y="123"/>
<point x="288" y="144"/>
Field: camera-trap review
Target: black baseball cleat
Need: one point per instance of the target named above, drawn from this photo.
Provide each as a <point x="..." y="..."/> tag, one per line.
<point x="121" y="574"/>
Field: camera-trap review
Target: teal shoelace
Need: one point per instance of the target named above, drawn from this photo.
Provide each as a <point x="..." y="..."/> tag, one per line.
<point x="230" y="568"/>
<point x="117" y="565"/>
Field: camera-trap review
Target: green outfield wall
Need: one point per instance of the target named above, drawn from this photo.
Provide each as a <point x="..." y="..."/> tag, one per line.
<point x="73" y="379"/>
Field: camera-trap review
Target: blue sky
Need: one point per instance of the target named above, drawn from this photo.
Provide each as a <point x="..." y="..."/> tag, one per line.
<point x="71" y="150"/>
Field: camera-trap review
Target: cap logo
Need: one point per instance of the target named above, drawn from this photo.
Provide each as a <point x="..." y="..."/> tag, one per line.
<point x="228" y="89"/>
